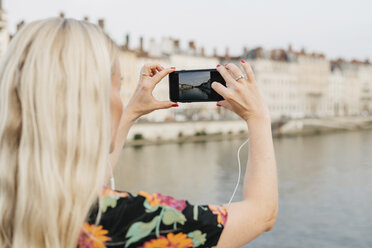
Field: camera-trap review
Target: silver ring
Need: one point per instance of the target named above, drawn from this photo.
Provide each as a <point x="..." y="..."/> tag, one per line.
<point x="239" y="77"/>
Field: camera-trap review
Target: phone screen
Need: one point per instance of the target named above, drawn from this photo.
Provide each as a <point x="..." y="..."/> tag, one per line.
<point x="195" y="85"/>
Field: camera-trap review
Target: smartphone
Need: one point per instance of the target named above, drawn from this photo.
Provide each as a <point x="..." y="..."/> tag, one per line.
<point x="194" y="85"/>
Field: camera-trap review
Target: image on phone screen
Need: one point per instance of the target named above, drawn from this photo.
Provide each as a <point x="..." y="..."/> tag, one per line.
<point x="195" y="85"/>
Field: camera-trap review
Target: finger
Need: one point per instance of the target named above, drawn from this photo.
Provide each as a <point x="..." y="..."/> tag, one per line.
<point x="226" y="75"/>
<point x="165" y="104"/>
<point x="220" y="89"/>
<point x="146" y="69"/>
<point x="153" y="71"/>
<point x="235" y="72"/>
<point x="156" y="70"/>
<point x="225" y="104"/>
<point x="160" y="75"/>
<point x="159" y="68"/>
<point x="248" y="70"/>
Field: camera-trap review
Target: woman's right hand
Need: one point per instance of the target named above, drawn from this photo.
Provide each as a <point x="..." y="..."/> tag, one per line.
<point x="241" y="96"/>
<point x="142" y="101"/>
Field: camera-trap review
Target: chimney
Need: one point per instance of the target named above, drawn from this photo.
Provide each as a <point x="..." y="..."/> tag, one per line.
<point x="127" y="41"/>
<point x="202" y="51"/>
<point x="259" y="52"/>
<point x="290" y="48"/>
<point x="86" y="18"/>
<point x="282" y="55"/>
<point x="245" y="50"/>
<point x="192" y="45"/>
<point x="101" y="23"/>
<point x="215" y="52"/>
<point x="20" y="24"/>
<point x="141" y="44"/>
<point x="61" y="15"/>
<point x="303" y="51"/>
<point x="273" y="54"/>
<point x="227" y="55"/>
<point x="176" y="46"/>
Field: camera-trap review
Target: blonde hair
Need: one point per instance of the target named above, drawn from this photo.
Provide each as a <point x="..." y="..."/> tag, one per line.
<point x="55" y="82"/>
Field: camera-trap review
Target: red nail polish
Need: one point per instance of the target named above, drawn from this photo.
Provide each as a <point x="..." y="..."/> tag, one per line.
<point x="219" y="105"/>
<point x="175" y="105"/>
<point x="242" y="61"/>
<point x="173" y="67"/>
<point x="218" y="65"/>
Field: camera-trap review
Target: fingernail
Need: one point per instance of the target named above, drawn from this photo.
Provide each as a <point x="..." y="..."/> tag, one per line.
<point x="242" y="61"/>
<point x="175" y="105"/>
<point x="173" y="67"/>
<point x="218" y="65"/>
<point x="219" y="105"/>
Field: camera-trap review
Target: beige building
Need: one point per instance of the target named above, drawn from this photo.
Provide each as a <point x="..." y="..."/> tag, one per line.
<point x="337" y="100"/>
<point x="279" y="84"/>
<point x="313" y="70"/>
<point x="300" y="84"/>
<point x="277" y="75"/>
<point x="365" y="77"/>
<point x="350" y="85"/>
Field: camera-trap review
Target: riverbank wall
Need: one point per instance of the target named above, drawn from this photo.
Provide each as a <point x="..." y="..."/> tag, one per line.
<point x="154" y="133"/>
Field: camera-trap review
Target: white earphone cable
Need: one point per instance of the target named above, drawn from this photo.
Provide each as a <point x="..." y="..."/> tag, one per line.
<point x="240" y="169"/>
<point x="112" y="180"/>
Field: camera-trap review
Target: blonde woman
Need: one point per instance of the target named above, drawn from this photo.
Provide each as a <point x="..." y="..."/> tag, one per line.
<point x="62" y="126"/>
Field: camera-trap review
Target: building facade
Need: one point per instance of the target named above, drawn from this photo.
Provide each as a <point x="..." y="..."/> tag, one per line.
<point x="295" y="84"/>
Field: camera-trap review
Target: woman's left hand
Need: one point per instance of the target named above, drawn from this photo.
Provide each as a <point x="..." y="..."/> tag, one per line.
<point x="143" y="102"/>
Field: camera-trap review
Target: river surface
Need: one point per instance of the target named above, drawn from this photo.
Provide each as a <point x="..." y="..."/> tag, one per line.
<point x="325" y="184"/>
<point x="194" y="93"/>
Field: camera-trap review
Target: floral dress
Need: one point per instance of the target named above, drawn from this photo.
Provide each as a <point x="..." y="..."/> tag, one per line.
<point x="151" y="221"/>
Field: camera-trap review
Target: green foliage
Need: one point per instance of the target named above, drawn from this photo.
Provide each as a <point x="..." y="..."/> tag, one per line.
<point x="138" y="136"/>
<point x="200" y="133"/>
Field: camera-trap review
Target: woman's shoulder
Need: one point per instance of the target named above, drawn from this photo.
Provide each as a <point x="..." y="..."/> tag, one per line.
<point x="150" y="219"/>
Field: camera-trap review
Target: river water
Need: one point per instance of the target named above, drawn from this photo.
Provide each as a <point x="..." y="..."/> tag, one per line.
<point x="194" y="93"/>
<point x="325" y="184"/>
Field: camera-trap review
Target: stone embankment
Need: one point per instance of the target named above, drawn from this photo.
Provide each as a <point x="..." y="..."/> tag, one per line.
<point x="318" y="126"/>
<point x="197" y="131"/>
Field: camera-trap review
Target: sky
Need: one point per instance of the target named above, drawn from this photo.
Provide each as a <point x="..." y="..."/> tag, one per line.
<point x="194" y="78"/>
<point x="336" y="28"/>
